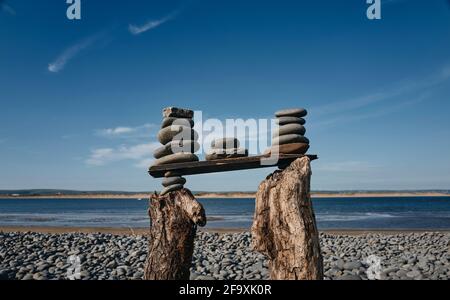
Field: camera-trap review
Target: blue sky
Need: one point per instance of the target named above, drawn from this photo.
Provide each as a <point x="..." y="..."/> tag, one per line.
<point x="81" y="100"/>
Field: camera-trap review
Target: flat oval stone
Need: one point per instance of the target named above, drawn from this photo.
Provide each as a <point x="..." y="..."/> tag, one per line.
<point x="177" y="121"/>
<point x="225" y="143"/>
<point x="294" y="148"/>
<point x="171" y="188"/>
<point x="168" y="181"/>
<point x="175" y="158"/>
<point x="215" y="154"/>
<point x="176" y="147"/>
<point x="176" y="132"/>
<point x="293" y="112"/>
<point x="229" y="151"/>
<point x="183" y="146"/>
<point x="290" y="120"/>
<point x="290" y="139"/>
<point x="289" y="129"/>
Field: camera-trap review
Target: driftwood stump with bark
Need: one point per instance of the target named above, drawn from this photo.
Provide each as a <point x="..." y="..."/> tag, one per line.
<point x="174" y="219"/>
<point x="284" y="227"/>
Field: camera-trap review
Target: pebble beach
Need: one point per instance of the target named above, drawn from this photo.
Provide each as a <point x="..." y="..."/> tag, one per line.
<point x="226" y="256"/>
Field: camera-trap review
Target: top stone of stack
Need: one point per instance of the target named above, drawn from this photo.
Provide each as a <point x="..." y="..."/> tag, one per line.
<point x="294" y="112"/>
<point x="178" y="113"/>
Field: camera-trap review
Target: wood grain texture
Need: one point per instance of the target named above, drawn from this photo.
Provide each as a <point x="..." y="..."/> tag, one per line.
<point x="223" y="165"/>
<point x="284" y="227"/>
<point x="174" y="219"/>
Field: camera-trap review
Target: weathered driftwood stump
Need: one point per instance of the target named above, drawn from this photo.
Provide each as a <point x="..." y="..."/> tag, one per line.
<point x="284" y="227"/>
<point x="174" y="219"/>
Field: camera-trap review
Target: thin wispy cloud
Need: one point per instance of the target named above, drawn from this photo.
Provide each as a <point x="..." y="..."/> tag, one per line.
<point x="7" y="8"/>
<point x="135" y="146"/>
<point x="406" y="88"/>
<point x="373" y="114"/>
<point x="117" y="131"/>
<point x="124" y="132"/>
<point x="70" y="53"/>
<point x="140" y="154"/>
<point x="152" y="24"/>
<point x="446" y="71"/>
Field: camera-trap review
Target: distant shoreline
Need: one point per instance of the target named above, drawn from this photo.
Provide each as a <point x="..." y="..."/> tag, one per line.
<point x="231" y="195"/>
<point x="144" y="231"/>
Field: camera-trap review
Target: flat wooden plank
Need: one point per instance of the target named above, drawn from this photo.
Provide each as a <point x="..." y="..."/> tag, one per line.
<point x="222" y="165"/>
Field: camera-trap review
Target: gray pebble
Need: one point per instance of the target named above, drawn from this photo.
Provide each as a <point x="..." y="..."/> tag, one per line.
<point x="352" y="265"/>
<point x="349" y="277"/>
<point x="204" y="277"/>
<point x="220" y="256"/>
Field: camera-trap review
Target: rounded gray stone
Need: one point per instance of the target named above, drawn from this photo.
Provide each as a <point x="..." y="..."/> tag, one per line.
<point x="289" y="129"/>
<point x="204" y="277"/>
<point x="28" y="277"/>
<point x="177" y="121"/>
<point x="175" y="158"/>
<point x="168" y="181"/>
<point x="290" y="120"/>
<point x="352" y="265"/>
<point x="176" y="132"/>
<point x="413" y="274"/>
<point x="349" y="277"/>
<point x="289" y="139"/>
<point x="293" y="112"/>
<point x="225" y="143"/>
<point x="171" y="188"/>
<point x="176" y="147"/>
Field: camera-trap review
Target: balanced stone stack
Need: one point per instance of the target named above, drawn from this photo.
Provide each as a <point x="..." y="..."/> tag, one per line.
<point x="180" y="142"/>
<point x="289" y="137"/>
<point x="226" y="148"/>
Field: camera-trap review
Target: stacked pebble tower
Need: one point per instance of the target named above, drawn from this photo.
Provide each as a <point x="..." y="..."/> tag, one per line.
<point x="289" y="138"/>
<point x="226" y="148"/>
<point x="180" y="142"/>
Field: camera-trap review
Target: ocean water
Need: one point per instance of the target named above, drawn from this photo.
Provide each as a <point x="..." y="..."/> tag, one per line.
<point x="331" y="213"/>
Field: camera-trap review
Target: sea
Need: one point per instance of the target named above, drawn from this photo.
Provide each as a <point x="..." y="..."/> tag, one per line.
<point x="331" y="213"/>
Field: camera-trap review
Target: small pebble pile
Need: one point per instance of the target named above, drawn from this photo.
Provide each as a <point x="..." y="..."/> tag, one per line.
<point x="289" y="137"/>
<point x="40" y="256"/>
<point x="226" y="148"/>
<point x="180" y="142"/>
